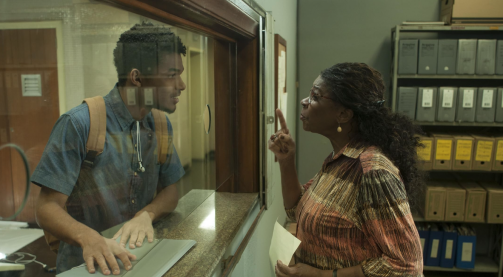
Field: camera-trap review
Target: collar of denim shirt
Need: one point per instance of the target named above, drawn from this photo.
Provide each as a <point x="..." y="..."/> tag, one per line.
<point x="121" y="112"/>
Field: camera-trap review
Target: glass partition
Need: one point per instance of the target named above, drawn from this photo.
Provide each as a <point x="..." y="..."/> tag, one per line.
<point x="55" y="54"/>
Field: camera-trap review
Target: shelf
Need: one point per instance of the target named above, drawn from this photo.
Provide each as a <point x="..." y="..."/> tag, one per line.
<point x="454" y="28"/>
<point x="482" y="264"/>
<point x="419" y="218"/>
<point x="466" y="124"/>
<point x="462" y="77"/>
<point x="463" y="171"/>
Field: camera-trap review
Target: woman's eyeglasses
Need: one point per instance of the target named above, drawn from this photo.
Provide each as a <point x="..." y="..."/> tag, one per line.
<point x="315" y="96"/>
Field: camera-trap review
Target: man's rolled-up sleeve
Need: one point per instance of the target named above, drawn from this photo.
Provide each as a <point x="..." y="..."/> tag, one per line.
<point x="60" y="164"/>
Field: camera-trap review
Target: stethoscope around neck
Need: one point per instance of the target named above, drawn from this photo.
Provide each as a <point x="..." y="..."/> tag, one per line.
<point x="138" y="147"/>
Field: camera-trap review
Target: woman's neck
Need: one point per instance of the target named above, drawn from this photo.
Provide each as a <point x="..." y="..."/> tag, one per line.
<point x="339" y="140"/>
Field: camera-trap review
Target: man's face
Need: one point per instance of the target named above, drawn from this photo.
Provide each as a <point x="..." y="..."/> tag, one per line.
<point x="168" y="82"/>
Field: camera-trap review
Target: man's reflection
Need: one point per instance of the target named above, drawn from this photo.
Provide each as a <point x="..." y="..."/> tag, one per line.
<point x="83" y="194"/>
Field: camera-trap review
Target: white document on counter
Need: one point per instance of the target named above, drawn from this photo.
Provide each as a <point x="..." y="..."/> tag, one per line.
<point x="283" y="245"/>
<point x="15" y="239"/>
<point x="152" y="259"/>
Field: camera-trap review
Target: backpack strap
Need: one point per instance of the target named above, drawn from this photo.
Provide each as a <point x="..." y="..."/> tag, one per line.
<point x="94" y="147"/>
<point x="161" y="133"/>
<point x="97" y="128"/>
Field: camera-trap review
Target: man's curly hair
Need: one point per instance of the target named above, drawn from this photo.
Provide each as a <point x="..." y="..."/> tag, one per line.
<point x="140" y="46"/>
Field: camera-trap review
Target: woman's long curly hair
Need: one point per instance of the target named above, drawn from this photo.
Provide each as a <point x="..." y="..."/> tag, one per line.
<point x="361" y="88"/>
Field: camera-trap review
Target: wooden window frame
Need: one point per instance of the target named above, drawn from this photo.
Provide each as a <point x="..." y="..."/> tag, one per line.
<point x="235" y="29"/>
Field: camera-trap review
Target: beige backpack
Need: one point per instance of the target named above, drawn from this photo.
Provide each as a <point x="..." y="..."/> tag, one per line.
<point x="96" y="142"/>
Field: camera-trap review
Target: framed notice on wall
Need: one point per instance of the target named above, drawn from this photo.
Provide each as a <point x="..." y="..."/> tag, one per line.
<point x="280" y="76"/>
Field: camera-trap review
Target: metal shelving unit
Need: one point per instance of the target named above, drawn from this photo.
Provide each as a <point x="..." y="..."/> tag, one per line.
<point x="463" y="77"/>
<point x="490" y="261"/>
<point x="401" y="31"/>
<point x="483" y="264"/>
<point x="464" y="124"/>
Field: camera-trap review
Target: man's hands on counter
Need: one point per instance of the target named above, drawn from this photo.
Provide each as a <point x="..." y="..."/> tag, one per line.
<point x="136" y="229"/>
<point x="102" y="251"/>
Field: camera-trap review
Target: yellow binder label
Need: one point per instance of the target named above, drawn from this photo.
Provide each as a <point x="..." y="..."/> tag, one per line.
<point x="424" y="154"/>
<point x="499" y="151"/>
<point x="484" y="151"/>
<point x="444" y="148"/>
<point x="464" y="150"/>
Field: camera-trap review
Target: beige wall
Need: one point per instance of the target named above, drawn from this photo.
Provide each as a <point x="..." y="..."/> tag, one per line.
<point x="334" y="31"/>
<point x="255" y="258"/>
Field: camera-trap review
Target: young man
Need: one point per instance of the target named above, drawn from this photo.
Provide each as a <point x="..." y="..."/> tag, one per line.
<point x="119" y="184"/>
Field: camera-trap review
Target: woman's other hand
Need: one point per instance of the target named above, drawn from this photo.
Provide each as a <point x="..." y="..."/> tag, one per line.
<point x="281" y="143"/>
<point x="300" y="270"/>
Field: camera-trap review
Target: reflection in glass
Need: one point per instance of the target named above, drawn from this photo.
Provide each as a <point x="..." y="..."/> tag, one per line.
<point x="209" y="221"/>
<point x="207" y="119"/>
<point x="55" y="54"/>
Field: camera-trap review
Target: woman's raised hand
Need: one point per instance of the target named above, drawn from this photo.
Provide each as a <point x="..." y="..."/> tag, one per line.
<point x="281" y="143"/>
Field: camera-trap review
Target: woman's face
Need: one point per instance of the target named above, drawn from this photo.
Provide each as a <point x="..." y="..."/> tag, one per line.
<point x="321" y="115"/>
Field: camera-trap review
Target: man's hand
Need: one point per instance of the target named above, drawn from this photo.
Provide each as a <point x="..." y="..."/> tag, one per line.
<point x="102" y="251"/>
<point x="137" y="228"/>
<point x="281" y="143"/>
<point x="300" y="270"/>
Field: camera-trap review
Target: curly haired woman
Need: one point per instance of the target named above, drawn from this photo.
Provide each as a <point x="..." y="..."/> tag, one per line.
<point x="353" y="217"/>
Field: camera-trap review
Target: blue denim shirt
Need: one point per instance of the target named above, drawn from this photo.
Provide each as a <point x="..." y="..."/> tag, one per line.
<point x="110" y="192"/>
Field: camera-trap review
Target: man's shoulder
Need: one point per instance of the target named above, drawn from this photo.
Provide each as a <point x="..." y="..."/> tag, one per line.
<point x="79" y="115"/>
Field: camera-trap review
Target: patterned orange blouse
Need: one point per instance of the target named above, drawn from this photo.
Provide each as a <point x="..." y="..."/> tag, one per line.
<point x="355" y="211"/>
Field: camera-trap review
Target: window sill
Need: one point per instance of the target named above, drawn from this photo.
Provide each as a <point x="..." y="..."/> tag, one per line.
<point x="213" y="225"/>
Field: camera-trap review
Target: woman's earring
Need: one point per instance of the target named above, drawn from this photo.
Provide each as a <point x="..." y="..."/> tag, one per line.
<point x="339" y="129"/>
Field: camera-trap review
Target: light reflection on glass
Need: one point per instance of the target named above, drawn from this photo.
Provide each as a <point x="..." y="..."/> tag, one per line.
<point x="209" y="221"/>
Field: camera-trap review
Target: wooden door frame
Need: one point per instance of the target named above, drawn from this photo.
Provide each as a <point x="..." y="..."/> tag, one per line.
<point x="236" y="23"/>
<point x="59" y="51"/>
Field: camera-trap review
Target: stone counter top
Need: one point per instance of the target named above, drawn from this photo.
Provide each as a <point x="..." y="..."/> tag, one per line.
<point x="213" y="225"/>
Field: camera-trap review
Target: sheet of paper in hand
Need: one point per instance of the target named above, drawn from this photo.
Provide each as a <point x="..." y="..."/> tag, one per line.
<point x="283" y="245"/>
<point x="152" y="259"/>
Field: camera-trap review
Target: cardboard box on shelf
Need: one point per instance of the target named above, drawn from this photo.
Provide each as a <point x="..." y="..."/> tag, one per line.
<point x="483" y="153"/>
<point x="434" y="246"/>
<point x="443" y="151"/>
<point x="426" y="104"/>
<point x="467" y="241"/>
<point x="455" y="198"/>
<point x="449" y="243"/>
<point x="486" y="105"/>
<point x="425" y="154"/>
<point x="407" y="56"/>
<point x="499" y="106"/>
<point x="428" y="54"/>
<point x="467" y="104"/>
<point x="499" y="57"/>
<point x="447" y="100"/>
<point x="494" y="210"/>
<point x="488" y="12"/>
<point x="463" y="152"/>
<point x="486" y="57"/>
<point x="475" y="202"/>
<point x="434" y="202"/>
<point x="447" y="52"/>
<point x="424" y="234"/>
<point x="498" y="154"/>
<point x="467" y="55"/>
<point x="406" y="101"/>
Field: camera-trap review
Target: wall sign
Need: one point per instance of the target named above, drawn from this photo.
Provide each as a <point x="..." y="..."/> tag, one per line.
<point x="31" y="85"/>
